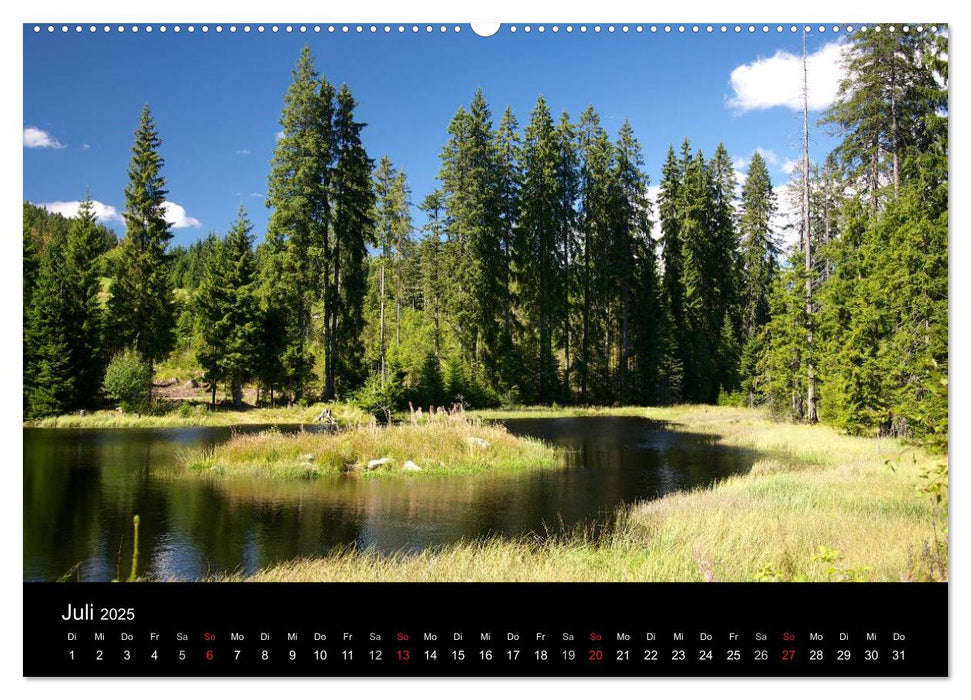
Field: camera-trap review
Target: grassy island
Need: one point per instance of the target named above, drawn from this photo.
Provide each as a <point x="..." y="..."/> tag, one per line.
<point x="817" y="505"/>
<point x="430" y="447"/>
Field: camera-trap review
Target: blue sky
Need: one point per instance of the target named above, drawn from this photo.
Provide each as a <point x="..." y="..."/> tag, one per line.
<point x="217" y="99"/>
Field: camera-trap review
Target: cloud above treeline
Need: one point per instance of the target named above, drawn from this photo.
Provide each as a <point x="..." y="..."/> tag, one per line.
<point x="175" y="214"/>
<point x="104" y="213"/>
<point x="741" y="163"/>
<point x="777" y="81"/>
<point x="38" y="138"/>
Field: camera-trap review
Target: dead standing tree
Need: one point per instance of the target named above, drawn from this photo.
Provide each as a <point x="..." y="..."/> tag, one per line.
<point x="810" y="414"/>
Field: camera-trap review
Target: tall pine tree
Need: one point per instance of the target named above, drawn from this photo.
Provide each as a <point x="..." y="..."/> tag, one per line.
<point x="51" y="382"/>
<point x="299" y="241"/>
<point x="538" y="255"/>
<point x="228" y="310"/>
<point x="86" y="316"/>
<point x="758" y="268"/>
<point x="353" y="230"/>
<point x="140" y="307"/>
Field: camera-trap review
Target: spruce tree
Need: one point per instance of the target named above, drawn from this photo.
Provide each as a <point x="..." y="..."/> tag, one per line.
<point x="431" y="385"/>
<point x="781" y="364"/>
<point x="228" y="311"/>
<point x="86" y="316"/>
<point x="31" y="265"/>
<point x="470" y="187"/>
<point x="508" y="153"/>
<point x="703" y="313"/>
<point x="670" y="211"/>
<point x="567" y="175"/>
<point x="299" y="240"/>
<point x="403" y="251"/>
<point x="51" y="383"/>
<point x="388" y="210"/>
<point x="882" y="299"/>
<point x="724" y="268"/>
<point x="596" y="283"/>
<point x="271" y="372"/>
<point x="435" y="282"/>
<point x="885" y="104"/>
<point x="140" y="307"/>
<point x="758" y="267"/>
<point x="352" y="194"/>
<point x="635" y="269"/>
<point x="539" y="264"/>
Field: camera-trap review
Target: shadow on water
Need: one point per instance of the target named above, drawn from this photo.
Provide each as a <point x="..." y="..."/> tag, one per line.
<point x="81" y="488"/>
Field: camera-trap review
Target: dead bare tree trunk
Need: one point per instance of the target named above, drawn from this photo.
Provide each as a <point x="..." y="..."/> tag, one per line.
<point x="810" y="413"/>
<point x="328" y="312"/>
<point x="397" y="289"/>
<point x="330" y="364"/>
<point x="893" y="127"/>
<point x="382" y="324"/>
<point x="566" y="325"/>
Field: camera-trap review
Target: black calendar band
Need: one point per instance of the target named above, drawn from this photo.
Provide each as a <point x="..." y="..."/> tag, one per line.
<point x="465" y="629"/>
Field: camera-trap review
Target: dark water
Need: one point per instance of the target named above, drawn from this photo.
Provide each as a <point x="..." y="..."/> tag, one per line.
<point x="82" y="487"/>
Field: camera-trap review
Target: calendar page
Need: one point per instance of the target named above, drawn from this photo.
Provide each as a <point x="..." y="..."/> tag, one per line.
<point x="519" y="349"/>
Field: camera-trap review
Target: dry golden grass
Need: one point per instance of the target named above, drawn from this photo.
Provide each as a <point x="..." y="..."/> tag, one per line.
<point x="817" y="506"/>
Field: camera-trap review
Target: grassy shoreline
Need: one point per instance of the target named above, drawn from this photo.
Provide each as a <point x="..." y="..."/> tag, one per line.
<point x="436" y="447"/>
<point x="199" y="415"/>
<point x="816" y="506"/>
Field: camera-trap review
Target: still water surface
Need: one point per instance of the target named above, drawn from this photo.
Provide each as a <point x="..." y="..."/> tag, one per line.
<point x="82" y="487"/>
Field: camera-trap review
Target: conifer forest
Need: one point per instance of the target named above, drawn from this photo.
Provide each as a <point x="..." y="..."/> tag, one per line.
<point x="542" y="270"/>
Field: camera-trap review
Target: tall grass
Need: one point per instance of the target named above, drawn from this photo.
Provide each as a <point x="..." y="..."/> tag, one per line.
<point x="816" y="506"/>
<point x="438" y="446"/>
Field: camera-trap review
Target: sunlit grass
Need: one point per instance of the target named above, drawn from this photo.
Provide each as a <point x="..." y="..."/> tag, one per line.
<point x="816" y="505"/>
<point x="434" y="447"/>
<point x="199" y="414"/>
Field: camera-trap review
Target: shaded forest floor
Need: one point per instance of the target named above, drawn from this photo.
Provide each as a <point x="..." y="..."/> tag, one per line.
<point x="816" y="506"/>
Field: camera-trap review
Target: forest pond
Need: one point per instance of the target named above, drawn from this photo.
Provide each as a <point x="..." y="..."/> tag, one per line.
<point x="82" y="487"/>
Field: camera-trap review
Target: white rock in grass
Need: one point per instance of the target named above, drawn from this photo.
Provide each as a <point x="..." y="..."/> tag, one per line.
<point x="308" y="457"/>
<point x="375" y="463"/>
<point x="411" y="467"/>
<point x="477" y="442"/>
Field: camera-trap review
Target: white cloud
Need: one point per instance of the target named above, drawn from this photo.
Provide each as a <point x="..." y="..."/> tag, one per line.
<point x="770" y="158"/>
<point x="741" y="163"/>
<point x="104" y="213"/>
<point x="279" y="135"/>
<point x="85" y="146"/>
<point x="38" y="138"/>
<point x="790" y="166"/>
<point x="777" y="81"/>
<point x="243" y="152"/>
<point x="257" y="195"/>
<point x="654" y="194"/>
<point x="176" y="216"/>
<point x="788" y="212"/>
